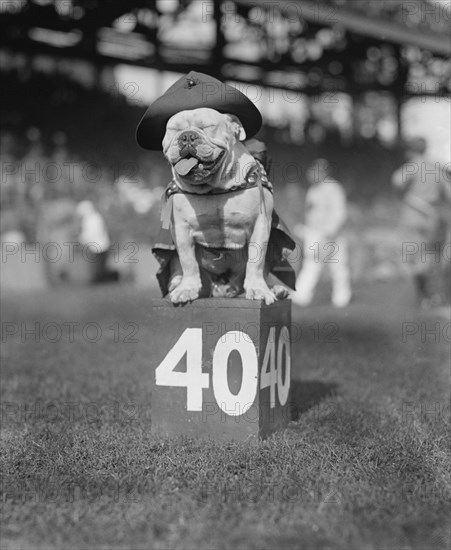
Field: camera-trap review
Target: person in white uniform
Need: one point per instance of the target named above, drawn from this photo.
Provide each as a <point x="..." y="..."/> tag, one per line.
<point x="94" y="233"/>
<point x="324" y="243"/>
<point x="95" y="238"/>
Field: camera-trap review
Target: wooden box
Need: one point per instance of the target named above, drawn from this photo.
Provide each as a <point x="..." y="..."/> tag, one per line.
<point x="221" y="368"/>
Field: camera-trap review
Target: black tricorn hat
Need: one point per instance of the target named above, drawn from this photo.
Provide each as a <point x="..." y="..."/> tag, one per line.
<point x="194" y="91"/>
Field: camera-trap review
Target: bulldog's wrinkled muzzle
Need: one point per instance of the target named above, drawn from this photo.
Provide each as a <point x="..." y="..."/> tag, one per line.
<point x="195" y="155"/>
<point x="187" y="142"/>
<point x="188" y="139"/>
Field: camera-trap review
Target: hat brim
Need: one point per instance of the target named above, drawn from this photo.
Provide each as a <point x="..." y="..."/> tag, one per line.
<point x="207" y="92"/>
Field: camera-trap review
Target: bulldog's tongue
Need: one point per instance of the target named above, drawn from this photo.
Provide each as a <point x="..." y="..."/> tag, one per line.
<point x="185" y="165"/>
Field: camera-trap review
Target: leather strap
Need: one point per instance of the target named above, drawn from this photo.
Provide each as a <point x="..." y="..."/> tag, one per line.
<point x="256" y="177"/>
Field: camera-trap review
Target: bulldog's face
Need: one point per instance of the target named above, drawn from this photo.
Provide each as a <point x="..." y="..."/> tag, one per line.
<point x="198" y="144"/>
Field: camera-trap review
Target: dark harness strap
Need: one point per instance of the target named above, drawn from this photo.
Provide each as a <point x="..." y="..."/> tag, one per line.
<point x="256" y="177"/>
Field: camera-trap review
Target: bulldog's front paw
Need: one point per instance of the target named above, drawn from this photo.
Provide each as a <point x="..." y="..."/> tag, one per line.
<point x="186" y="291"/>
<point x="280" y="292"/>
<point x="259" y="291"/>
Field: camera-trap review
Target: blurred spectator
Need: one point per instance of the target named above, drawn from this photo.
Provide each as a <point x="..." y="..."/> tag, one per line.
<point x="322" y="236"/>
<point x="32" y="169"/>
<point x="95" y="240"/>
<point x="57" y="227"/>
<point x="424" y="220"/>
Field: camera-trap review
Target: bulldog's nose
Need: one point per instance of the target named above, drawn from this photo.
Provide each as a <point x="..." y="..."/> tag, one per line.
<point x="188" y="138"/>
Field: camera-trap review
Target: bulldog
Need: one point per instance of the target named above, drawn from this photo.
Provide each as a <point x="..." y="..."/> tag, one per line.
<point x="220" y="208"/>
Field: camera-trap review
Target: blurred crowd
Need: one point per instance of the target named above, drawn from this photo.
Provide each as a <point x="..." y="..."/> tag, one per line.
<point x="424" y="187"/>
<point x="49" y="194"/>
<point x="54" y="181"/>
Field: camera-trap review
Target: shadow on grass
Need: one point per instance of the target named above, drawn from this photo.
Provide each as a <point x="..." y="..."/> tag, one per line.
<point x="305" y="395"/>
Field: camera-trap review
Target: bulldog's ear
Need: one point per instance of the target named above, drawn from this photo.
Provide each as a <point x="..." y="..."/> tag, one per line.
<point x="237" y="127"/>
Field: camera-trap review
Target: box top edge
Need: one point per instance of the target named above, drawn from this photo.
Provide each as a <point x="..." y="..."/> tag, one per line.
<point x="209" y="303"/>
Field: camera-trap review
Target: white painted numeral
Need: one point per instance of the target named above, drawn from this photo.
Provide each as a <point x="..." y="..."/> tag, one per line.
<point x="269" y="372"/>
<point x="283" y="387"/>
<point x="272" y="375"/>
<point x="235" y="405"/>
<point x="193" y="379"/>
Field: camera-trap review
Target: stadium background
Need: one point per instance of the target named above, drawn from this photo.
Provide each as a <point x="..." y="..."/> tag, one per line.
<point x="76" y="77"/>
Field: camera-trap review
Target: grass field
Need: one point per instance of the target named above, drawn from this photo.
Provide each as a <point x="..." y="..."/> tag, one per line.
<point x="364" y="465"/>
